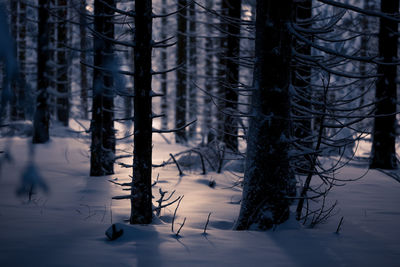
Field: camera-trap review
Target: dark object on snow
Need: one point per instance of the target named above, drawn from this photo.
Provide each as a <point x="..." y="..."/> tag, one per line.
<point x="114" y="232"/>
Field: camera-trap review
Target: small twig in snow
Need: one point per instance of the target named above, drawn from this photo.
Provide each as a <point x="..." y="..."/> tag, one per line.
<point x="205" y="226"/>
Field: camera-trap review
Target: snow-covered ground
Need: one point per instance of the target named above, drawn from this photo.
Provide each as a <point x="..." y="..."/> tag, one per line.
<point x="66" y="225"/>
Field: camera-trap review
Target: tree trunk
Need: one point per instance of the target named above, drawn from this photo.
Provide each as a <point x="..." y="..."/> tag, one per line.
<point x="181" y="78"/>
<point x="141" y="196"/>
<point x="268" y="179"/>
<point x="22" y="61"/>
<point x="209" y="73"/>
<point x="42" y="116"/>
<point x="192" y="69"/>
<point x="62" y="68"/>
<point x="102" y="125"/>
<point x="232" y="75"/>
<point x="164" y="66"/>
<point x="221" y="69"/>
<point x="384" y="132"/>
<point x="302" y="128"/>
<point x="14" y="34"/>
<point x="83" y="58"/>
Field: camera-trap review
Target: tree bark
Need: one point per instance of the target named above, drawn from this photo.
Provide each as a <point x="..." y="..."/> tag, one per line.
<point x="164" y="66"/>
<point x="22" y="61"/>
<point x="83" y="58"/>
<point x="62" y="67"/>
<point x="268" y="179"/>
<point x="181" y="77"/>
<point x="141" y="196"/>
<point x="230" y="130"/>
<point x="42" y="115"/>
<point x="384" y="132"/>
<point x="192" y="69"/>
<point x="102" y="124"/>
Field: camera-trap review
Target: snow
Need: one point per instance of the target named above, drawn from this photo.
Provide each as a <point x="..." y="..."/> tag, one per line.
<point x="66" y="225"/>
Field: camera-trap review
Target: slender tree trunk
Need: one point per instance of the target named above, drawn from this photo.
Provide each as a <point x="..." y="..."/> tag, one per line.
<point x="384" y="132"/>
<point x="221" y="68"/>
<point x="83" y="58"/>
<point x="102" y="125"/>
<point x="268" y="179"/>
<point x="42" y="116"/>
<point x="141" y="206"/>
<point x="22" y="61"/>
<point x="209" y="73"/>
<point x="232" y="74"/>
<point x="62" y="67"/>
<point x="52" y="72"/>
<point x="181" y="77"/>
<point x="192" y="69"/>
<point x="14" y="34"/>
<point x="164" y="66"/>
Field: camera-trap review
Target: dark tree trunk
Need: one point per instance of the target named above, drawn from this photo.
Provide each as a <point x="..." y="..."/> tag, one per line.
<point x="384" y="132"/>
<point x="209" y="73"/>
<point x="51" y="70"/>
<point x="62" y="68"/>
<point x="164" y="66"/>
<point x="192" y="69"/>
<point x="141" y="206"/>
<point x="181" y="77"/>
<point x="102" y="125"/>
<point x="221" y="68"/>
<point x="301" y="81"/>
<point x="14" y="34"/>
<point x="22" y="61"/>
<point x="83" y="58"/>
<point x="230" y="130"/>
<point x="268" y="179"/>
<point x="42" y="115"/>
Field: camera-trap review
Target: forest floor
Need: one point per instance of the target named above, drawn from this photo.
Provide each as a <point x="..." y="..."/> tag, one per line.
<point x="65" y="221"/>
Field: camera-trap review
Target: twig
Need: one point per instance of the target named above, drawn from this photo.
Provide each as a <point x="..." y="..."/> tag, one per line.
<point x="173" y="218"/>
<point x="183" y="223"/>
<point x="340" y="225"/>
<point x="177" y="165"/>
<point x="205" y="226"/>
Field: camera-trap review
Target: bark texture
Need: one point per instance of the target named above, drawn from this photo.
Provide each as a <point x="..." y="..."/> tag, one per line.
<point x="42" y="116"/>
<point x="102" y="124"/>
<point x="181" y="73"/>
<point x="384" y="132"/>
<point x="268" y="178"/>
<point x="141" y="196"/>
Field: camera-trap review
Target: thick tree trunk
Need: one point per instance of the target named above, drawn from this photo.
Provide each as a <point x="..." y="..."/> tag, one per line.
<point x="230" y="130"/>
<point x="181" y="77"/>
<point x="384" y="132"/>
<point x="268" y="178"/>
<point x="302" y="128"/>
<point x="141" y="206"/>
<point x="62" y="68"/>
<point x="83" y="58"/>
<point x="102" y="125"/>
<point x="42" y="115"/>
